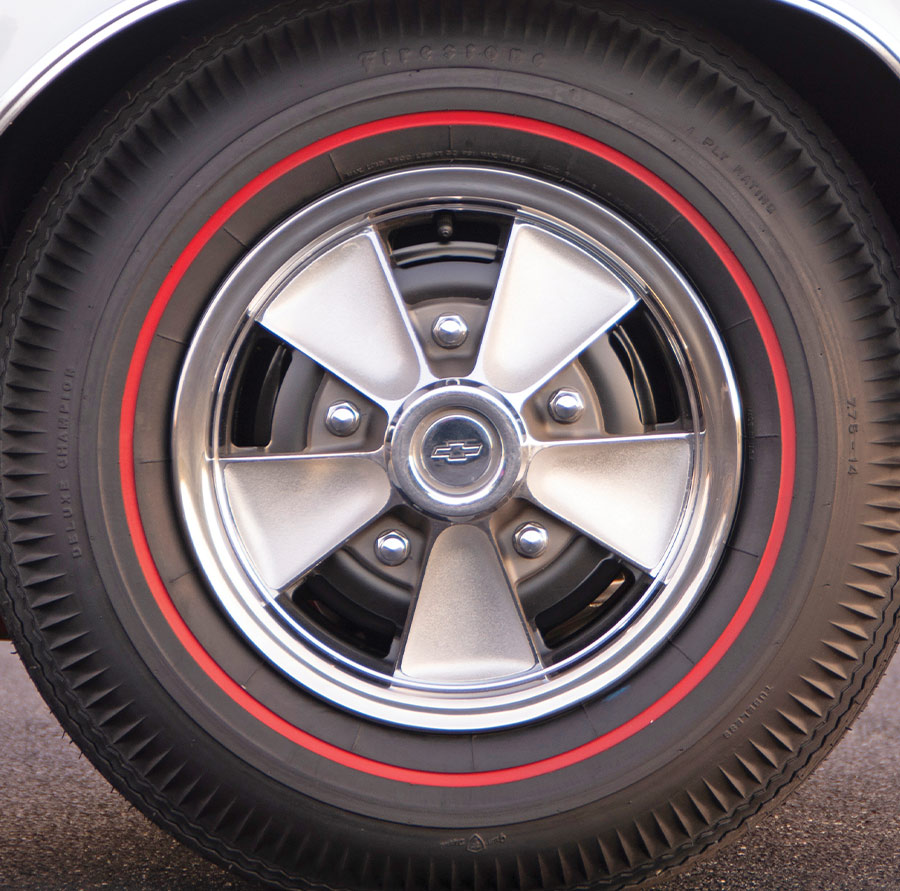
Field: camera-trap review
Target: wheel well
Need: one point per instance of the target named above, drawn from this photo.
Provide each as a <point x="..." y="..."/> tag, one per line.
<point x="816" y="67"/>
<point x="853" y="91"/>
<point x="30" y="147"/>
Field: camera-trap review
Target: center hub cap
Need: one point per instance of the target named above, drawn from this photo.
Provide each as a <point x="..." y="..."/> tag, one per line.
<point x="456" y="451"/>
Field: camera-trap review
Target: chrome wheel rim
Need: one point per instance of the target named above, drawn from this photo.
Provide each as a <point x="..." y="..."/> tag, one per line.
<point x="460" y="448"/>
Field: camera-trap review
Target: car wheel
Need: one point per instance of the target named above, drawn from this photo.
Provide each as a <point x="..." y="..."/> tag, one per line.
<point x="445" y="448"/>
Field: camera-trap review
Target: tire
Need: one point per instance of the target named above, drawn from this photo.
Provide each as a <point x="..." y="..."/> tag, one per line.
<point x="326" y="708"/>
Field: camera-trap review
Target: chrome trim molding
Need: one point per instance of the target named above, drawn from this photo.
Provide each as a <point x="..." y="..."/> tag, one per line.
<point x="76" y="46"/>
<point x="879" y="38"/>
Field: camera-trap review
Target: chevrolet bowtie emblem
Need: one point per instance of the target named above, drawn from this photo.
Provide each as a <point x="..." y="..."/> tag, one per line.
<point x="457" y="451"/>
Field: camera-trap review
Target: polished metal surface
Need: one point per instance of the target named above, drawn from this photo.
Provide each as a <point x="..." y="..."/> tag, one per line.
<point x="392" y="548"/>
<point x="466" y="626"/>
<point x="449" y="331"/>
<point x="342" y="418"/>
<point x="626" y="493"/>
<point x="531" y="540"/>
<point x="566" y="406"/>
<point x="529" y="337"/>
<point x="365" y="337"/>
<point x="458" y="452"/>
<point x="284" y="543"/>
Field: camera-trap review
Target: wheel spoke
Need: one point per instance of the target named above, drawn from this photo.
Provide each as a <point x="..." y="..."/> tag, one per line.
<point x="292" y="511"/>
<point x="344" y="311"/>
<point x="466" y="624"/>
<point x="552" y="301"/>
<point x="627" y="493"/>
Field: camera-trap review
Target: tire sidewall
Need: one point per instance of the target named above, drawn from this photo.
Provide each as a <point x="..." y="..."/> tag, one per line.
<point x="772" y="247"/>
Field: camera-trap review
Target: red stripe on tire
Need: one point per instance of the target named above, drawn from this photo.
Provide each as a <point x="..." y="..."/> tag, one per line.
<point x="607" y="740"/>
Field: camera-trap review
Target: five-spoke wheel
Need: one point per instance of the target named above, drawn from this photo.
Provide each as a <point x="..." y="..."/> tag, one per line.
<point x="528" y="442"/>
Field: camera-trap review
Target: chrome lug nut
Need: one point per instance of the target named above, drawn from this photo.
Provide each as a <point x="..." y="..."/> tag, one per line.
<point x="566" y="406"/>
<point x="342" y="418"/>
<point x="531" y="539"/>
<point x="392" y="547"/>
<point x="449" y="331"/>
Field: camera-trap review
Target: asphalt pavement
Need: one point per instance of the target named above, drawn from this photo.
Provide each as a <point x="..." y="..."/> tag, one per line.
<point x="62" y="828"/>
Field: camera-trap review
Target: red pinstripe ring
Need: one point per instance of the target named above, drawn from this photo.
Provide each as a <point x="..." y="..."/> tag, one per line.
<point x="603" y="742"/>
